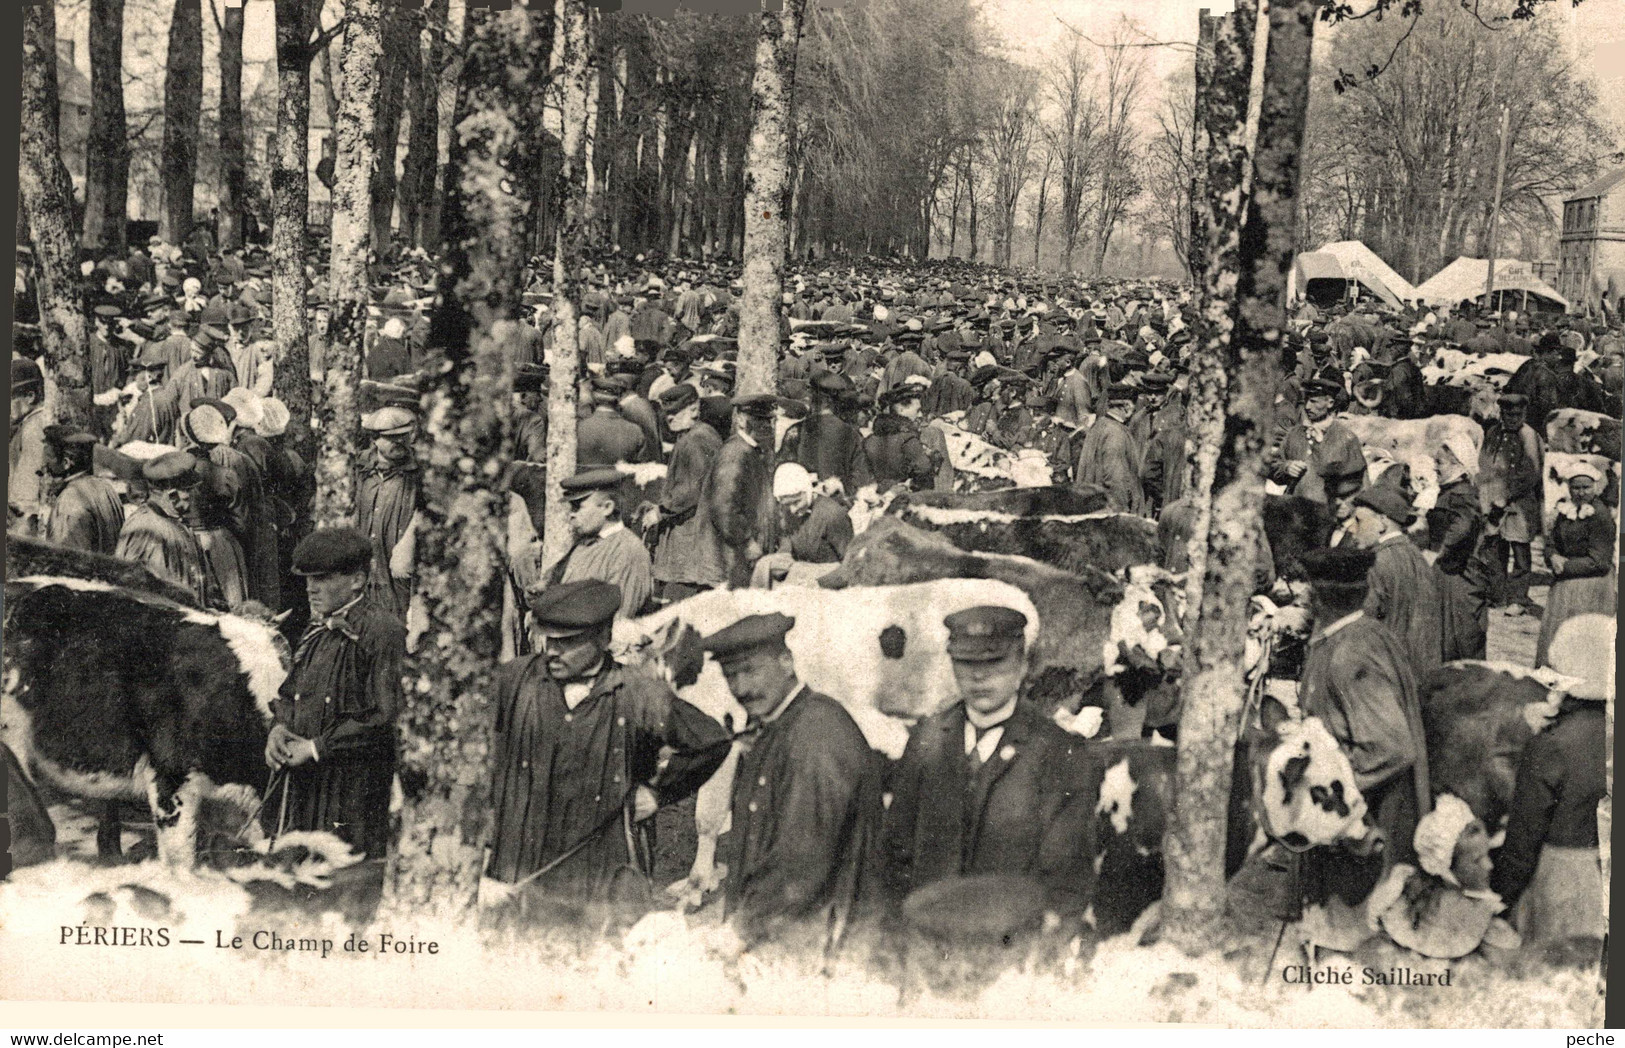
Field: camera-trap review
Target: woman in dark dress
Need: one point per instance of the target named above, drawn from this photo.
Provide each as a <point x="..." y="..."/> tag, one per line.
<point x="1580" y="550"/>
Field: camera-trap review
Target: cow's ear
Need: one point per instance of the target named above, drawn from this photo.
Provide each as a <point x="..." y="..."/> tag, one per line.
<point x="1272" y="713"/>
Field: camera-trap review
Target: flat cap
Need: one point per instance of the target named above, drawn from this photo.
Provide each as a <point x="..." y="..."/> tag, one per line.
<point x="1388" y="500"/>
<point x="530" y="378"/>
<point x="985" y="633"/>
<point x="227" y="411"/>
<point x="1339" y="566"/>
<point x="1512" y="400"/>
<point x="391" y="421"/>
<point x="760" y="405"/>
<point x="25" y="375"/>
<point x="209" y="336"/>
<point x="748" y="635"/>
<point x="332" y="551"/>
<point x="572" y="608"/>
<point x="588" y="481"/>
<point x="902" y="393"/>
<point x="205" y="424"/>
<point x="831" y="383"/>
<point x="678" y="397"/>
<point x="174" y="469"/>
<point x="274" y="418"/>
<point x="1122" y="391"/>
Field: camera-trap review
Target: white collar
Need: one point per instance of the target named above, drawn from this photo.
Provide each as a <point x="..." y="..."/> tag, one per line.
<point x="778" y="710"/>
<point x="611" y="528"/>
<point x="984" y="721"/>
<point x="1392" y="536"/>
<point x="1340" y="623"/>
<point x="746" y="437"/>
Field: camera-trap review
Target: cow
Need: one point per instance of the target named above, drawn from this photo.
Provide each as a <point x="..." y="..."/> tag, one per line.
<point x="1415" y="443"/>
<point x="1577" y="432"/>
<point x="1103" y="540"/>
<point x="1018" y="502"/>
<point x="116" y="694"/>
<point x="979" y="465"/>
<point x="26" y="556"/>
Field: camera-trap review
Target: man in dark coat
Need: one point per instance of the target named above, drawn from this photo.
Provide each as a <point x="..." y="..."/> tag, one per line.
<point x="1164" y="475"/>
<point x="806" y="795"/>
<point x="1357" y="679"/>
<point x="989" y="785"/>
<point x="577" y="742"/>
<point x="1405" y="591"/>
<point x="895" y="452"/>
<point x="1511" y="464"/>
<point x="679" y="569"/>
<point x="604" y="438"/>
<point x="334" y="736"/>
<point x="1318" y="448"/>
<point x="950" y="391"/>
<point x="736" y="511"/>
<point x="823" y="443"/>
<point x="156" y="537"/>
<point x="1404" y="393"/>
<point x="1109" y="458"/>
<point x="86" y="513"/>
<point x="386" y="503"/>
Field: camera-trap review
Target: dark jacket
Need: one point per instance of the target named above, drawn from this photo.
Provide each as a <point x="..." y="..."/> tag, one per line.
<point x="1587" y="544"/>
<point x="604" y="438"/>
<point x="1561" y="777"/>
<point x="1028" y="810"/>
<point x="822" y="538"/>
<point x="735" y="509"/>
<point x="806" y="807"/>
<point x="829" y="447"/>
<point x="895" y="454"/>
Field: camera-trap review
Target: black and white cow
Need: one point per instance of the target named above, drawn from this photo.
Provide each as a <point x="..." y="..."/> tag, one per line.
<point x="113" y="694"/>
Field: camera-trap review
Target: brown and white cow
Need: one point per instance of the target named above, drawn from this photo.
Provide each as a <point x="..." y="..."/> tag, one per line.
<point x="114" y="694"/>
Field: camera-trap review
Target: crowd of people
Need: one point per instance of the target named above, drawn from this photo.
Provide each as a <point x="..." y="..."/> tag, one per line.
<point x="188" y="470"/>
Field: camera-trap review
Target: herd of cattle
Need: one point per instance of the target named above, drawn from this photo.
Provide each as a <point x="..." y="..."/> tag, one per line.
<point x="117" y="690"/>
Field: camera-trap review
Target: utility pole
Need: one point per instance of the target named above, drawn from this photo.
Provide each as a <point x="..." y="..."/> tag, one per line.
<point x="1495" y="207"/>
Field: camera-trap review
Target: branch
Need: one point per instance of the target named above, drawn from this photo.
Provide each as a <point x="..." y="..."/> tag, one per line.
<point x="1186" y="45"/>
<point x="1412" y="9"/>
<point x="325" y="37"/>
<point x="214" y="12"/>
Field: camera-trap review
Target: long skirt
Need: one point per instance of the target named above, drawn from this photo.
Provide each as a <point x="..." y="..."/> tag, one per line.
<point x="1564" y="897"/>
<point x="1570" y="597"/>
<point x="223" y="557"/>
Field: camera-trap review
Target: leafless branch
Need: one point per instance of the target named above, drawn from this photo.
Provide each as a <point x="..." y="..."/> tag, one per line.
<point x="325" y="37"/>
<point x="1188" y="46"/>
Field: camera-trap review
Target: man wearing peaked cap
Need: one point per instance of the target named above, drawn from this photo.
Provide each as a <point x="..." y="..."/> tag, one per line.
<point x="823" y="443"/>
<point x="682" y="564"/>
<point x="85" y="512"/>
<point x="1319" y="454"/>
<point x="989" y="786"/>
<point x="1406" y="592"/>
<point x="1358" y="679"/>
<point x="603" y="548"/>
<point x="578" y="740"/>
<point x="334" y="734"/>
<point x="606" y="436"/>
<point x="1512" y="463"/>
<point x="388" y="493"/>
<point x="155" y="535"/>
<point x="227" y="499"/>
<point x="806" y="796"/>
<point x="1109" y="456"/>
<point x="735" y="514"/>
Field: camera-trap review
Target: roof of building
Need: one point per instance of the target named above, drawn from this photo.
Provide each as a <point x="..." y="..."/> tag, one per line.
<point x="1601" y="187"/>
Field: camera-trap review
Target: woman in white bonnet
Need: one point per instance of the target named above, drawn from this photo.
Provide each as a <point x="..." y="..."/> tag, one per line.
<point x="1580" y="550"/>
<point x="1548" y="870"/>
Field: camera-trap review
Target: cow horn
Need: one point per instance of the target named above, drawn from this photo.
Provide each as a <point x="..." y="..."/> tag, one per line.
<point x="277" y="620"/>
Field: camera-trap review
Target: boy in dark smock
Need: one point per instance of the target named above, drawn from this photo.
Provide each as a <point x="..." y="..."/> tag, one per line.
<point x="334" y="734"/>
<point x="578" y="739"/>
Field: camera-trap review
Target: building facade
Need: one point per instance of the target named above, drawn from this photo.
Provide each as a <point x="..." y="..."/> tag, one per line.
<point x="1591" y="255"/>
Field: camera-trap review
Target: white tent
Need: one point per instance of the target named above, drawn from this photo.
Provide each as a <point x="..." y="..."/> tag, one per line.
<point x="1463" y="279"/>
<point x="1332" y="268"/>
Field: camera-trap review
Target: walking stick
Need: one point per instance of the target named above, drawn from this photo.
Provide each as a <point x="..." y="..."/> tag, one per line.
<point x="270" y="788"/>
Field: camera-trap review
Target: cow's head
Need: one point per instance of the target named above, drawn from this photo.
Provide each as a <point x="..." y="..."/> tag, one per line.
<point x="264" y="655"/>
<point x="1303" y="783"/>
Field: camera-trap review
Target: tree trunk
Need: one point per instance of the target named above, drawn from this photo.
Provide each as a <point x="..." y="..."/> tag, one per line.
<point x="296" y="20"/>
<point x="445" y="762"/>
<point x="352" y="225"/>
<point x="1193" y="896"/>
<point x="47" y="200"/>
<point x="1038" y="223"/>
<point x="233" y="187"/>
<point x="183" y="112"/>
<point x="1196" y="247"/>
<point x="575" y="46"/>
<point x="399" y="45"/>
<point x="423" y="142"/>
<point x="767" y="195"/>
<point x="107" y="178"/>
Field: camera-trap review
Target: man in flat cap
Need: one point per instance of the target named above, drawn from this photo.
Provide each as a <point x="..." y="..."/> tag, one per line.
<point x="1357" y="678"/>
<point x="806" y="795"/>
<point x="1109" y="458"/>
<point x="681" y="566"/>
<point x="989" y="785"/>
<point x="156" y="536"/>
<point x="1406" y="592"/>
<point x="603" y="548"/>
<point x="28" y="421"/>
<point x="605" y="437"/>
<point x="388" y="491"/>
<point x="1316" y="448"/>
<point x="578" y="740"/>
<point x="736" y="513"/>
<point x="823" y="443"/>
<point x="950" y="390"/>
<point x="85" y="512"/>
<point x="334" y="735"/>
<point x="1512" y="464"/>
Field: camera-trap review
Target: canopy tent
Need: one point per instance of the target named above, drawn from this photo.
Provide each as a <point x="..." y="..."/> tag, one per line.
<point x="1515" y="286"/>
<point x="1328" y="274"/>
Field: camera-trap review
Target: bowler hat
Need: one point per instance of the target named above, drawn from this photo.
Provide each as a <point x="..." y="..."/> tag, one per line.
<point x="761" y="405"/>
<point x="1340" y="566"/>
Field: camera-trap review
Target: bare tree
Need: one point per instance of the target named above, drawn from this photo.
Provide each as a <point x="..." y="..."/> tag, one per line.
<point x="1039" y="206"/>
<point x="1071" y="136"/>
<point x="183" y="112"/>
<point x="417" y="189"/>
<point x="107" y="180"/>
<point x="349" y="296"/>
<point x="47" y="199"/>
<point x="1117" y="145"/>
<point x="1008" y="144"/>
<point x="767" y="193"/>
<point x="1170" y="171"/>
<point x="401" y="32"/>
